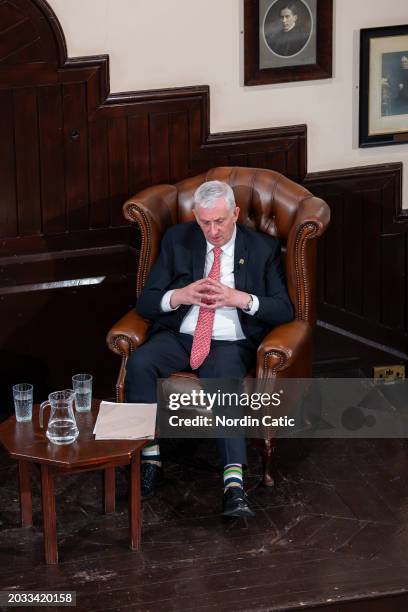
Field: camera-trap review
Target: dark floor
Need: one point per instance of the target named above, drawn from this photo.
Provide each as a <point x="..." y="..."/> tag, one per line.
<point x="340" y="356"/>
<point x="332" y="532"/>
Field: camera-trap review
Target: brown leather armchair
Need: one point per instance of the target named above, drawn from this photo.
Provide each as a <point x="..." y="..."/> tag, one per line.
<point x="270" y="203"/>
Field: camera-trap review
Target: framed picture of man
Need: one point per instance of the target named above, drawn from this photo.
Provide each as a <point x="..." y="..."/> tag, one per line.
<point x="383" y="86"/>
<point x="287" y="40"/>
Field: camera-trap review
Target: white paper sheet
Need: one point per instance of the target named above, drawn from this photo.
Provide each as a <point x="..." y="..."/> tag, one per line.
<point x="125" y="421"/>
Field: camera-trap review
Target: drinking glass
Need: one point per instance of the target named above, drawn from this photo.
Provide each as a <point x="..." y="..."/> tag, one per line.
<point x="82" y="385"/>
<point x="23" y="402"/>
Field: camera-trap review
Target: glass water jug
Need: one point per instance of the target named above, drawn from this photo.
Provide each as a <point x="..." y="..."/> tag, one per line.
<point x="62" y="427"/>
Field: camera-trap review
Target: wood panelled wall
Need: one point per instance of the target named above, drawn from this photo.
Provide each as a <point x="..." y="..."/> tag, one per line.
<point x="69" y="171"/>
<point x="70" y="155"/>
<point x="363" y="257"/>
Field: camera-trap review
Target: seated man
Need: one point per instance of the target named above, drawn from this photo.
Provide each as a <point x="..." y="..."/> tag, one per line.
<point x="216" y="289"/>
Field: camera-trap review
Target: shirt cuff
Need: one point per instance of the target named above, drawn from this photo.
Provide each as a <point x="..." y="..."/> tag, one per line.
<point x="255" y="305"/>
<point x="165" y="302"/>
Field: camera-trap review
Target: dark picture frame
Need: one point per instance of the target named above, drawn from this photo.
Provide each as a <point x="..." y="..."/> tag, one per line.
<point x="268" y="58"/>
<point x="383" y="104"/>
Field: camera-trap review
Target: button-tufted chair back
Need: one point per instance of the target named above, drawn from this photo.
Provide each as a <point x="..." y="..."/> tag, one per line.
<point x="268" y="201"/>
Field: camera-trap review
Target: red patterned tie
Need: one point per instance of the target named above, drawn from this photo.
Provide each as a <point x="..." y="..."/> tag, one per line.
<point x="205" y="322"/>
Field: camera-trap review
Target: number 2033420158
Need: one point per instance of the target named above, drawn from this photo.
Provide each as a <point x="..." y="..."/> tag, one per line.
<point x="37" y="598"/>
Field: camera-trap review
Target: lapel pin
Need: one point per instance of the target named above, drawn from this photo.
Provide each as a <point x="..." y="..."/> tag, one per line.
<point x="241" y="261"/>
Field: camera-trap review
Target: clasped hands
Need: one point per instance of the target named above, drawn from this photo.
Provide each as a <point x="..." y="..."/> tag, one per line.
<point x="209" y="293"/>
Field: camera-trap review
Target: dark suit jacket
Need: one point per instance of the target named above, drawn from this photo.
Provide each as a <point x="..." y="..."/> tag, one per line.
<point x="287" y="43"/>
<point x="258" y="270"/>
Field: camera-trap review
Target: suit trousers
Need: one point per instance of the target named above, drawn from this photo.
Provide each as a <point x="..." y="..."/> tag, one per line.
<point x="166" y="352"/>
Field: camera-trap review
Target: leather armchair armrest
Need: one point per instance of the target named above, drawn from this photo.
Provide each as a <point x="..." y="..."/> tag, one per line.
<point x="286" y="352"/>
<point x="127" y="334"/>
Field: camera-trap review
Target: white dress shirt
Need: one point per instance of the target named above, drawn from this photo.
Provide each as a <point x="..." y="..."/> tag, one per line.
<point x="226" y="322"/>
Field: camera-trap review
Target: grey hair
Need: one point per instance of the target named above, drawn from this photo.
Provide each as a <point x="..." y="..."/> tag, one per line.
<point x="207" y="193"/>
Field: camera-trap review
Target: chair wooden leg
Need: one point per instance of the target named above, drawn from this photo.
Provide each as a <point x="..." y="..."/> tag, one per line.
<point x="267" y="453"/>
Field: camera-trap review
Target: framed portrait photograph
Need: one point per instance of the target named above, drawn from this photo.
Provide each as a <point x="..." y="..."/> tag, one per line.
<point x="287" y="41"/>
<point x="383" y="86"/>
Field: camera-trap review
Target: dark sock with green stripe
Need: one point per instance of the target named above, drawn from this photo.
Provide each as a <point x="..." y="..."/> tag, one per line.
<point x="151" y="453"/>
<point x="233" y="475"/>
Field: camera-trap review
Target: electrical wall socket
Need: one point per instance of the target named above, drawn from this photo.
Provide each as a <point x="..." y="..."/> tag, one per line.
<point x="389" y="372"/>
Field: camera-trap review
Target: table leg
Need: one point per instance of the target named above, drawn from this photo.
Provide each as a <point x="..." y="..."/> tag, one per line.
<point x="26" y="506"/>
<point x="109" y="489"/>
<point x="135" y="522"/>
<point x="49" y="517"/>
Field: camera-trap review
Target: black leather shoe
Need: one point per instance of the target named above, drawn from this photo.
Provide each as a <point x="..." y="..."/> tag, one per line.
<point x="151" y="477"/>
<point x="235" y="503"/>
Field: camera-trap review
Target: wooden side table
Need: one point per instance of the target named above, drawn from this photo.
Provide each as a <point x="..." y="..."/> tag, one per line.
<point x="28" y="443"/>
